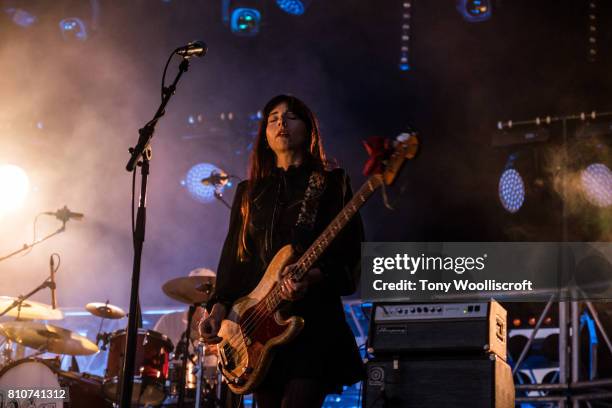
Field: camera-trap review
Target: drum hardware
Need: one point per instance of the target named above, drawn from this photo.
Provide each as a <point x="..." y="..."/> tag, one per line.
<point x="194" y="291"/>
<point x="200" y="372"/>
<point x="22" y="308"/>
<point x="48" y="338"/>
<point x="104" y="338"/>
<point x="185" y="347"/>
<point x="104" y="311"/>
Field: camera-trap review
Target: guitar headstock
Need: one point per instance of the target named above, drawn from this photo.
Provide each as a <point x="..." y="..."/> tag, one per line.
<point x="406" y="147"/>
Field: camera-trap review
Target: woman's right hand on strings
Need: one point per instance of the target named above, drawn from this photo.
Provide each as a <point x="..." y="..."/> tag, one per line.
<point x="209" y="326"/>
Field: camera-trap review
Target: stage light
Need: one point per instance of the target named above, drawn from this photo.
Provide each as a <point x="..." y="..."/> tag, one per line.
<point x="21" y="17"/>
<point x="245" y="21"/>
<point x="511" y="190"/>
<point x="597" y="184"/>
<point x="404" y="64"/>
<point x="193" y="182"/>
<point x="195" y="119"/>
<point x="474" y="11"/>
<point x="14" y="187"/>
<point x="73" y="29"/>
<point x="293" y="7"/>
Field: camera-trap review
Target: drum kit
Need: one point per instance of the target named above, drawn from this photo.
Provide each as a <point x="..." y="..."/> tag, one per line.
<point x="163" y="377"/>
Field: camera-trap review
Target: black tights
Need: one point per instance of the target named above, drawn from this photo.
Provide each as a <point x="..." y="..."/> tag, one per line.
<point x="297" y="393"/>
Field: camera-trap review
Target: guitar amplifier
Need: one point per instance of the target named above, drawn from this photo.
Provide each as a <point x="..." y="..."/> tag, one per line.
<point x="438" y="328"/>
<point x="467" y="382"/>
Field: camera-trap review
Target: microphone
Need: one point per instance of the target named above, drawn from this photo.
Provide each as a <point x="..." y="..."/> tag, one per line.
<point x="52" y="284"/>
<point x="64" y="214"/>
<point x="193" y="49"/>
<point x="216" y="179"/>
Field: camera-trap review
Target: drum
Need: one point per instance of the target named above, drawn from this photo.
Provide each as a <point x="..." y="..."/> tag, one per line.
<point x="209" y="384"/>
<point x="150" y="369"/>
<point x="83" y="390"/>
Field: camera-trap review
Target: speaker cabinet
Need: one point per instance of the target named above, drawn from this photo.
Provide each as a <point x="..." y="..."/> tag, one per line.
<point x="444" y="382"/>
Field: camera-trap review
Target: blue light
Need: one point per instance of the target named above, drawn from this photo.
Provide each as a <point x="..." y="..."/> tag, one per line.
<point x="73" y="29"/>
<point x="21" y="17"/>
<point x="193" y="182"/>
<point x="597" y="184"/>
<point x="293" y="7"/>
<point x="245" y="21"/>
<point x="511" y="190"/>
<point x="474" y="11"/>
<point x="404" y="67"/>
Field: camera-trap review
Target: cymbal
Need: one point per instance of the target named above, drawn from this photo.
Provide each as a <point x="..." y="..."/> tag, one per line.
<point x="105" y="310"/>
<point x="45" y="337"/>
<point x="190" y="289"/>
<point x="30" y="309"/>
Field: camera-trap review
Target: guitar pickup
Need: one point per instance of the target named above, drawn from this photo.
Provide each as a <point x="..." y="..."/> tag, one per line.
<point x="226" y="357"/>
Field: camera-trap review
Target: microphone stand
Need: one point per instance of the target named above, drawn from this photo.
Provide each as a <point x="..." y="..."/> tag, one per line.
<point x="17" y="303"/>
<point x="33" y="244"/>
<point x="141" y="152"/>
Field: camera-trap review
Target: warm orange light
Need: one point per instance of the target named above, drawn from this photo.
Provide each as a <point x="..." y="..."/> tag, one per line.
<point x="14" y="188"/>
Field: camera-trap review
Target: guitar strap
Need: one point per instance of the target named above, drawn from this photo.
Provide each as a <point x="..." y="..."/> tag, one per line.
<point x="304" y="225"/>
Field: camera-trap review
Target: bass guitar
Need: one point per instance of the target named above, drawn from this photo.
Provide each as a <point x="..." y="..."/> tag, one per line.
<point x="254" y="326"/>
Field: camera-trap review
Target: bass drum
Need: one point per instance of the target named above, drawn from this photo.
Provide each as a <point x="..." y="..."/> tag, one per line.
<point x="82" y="390"/>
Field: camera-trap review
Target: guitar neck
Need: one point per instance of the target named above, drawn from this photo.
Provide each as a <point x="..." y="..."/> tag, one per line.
<point x="333" y="229"/>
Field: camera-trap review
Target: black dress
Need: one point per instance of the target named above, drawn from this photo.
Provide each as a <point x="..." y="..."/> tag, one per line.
<point x="325" y="349"/>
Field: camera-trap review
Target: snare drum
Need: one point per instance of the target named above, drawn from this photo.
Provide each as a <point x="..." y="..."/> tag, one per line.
<point x="150" y="368"/>
<point x="83" y="390"/>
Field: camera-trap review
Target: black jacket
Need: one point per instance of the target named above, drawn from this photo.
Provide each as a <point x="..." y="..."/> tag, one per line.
<point x="325" y="349"/>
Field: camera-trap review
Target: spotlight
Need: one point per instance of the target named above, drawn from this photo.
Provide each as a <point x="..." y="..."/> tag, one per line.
<point x="242" y="16"/>
<point x="404" y="64"/>
<point x="474" y="11"/>
<point x="195" y="119"/>
<point x="73" y="29"/>
<point x="590" y="161"/>
<point x="193" y="182"/>
<point x="21" y="17"/>
<point x="597" y="184"/>
<point x="293" y="7"/>
<point x="511" y="190"/>
<point x="245" y="21"/>
<point x="14" y="187"/>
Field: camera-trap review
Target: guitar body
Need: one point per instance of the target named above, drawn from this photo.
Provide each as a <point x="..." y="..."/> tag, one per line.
<point x="246" y="350"/>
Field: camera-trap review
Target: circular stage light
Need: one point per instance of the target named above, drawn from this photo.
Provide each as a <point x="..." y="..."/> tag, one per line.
<point x="597" y="184"/>
<point x="511" y="190"/>
<point x="14" y="187"/>
<point x="193" y="182"/>
<point x="73" y="29"/>
<point x="293" y="7"/>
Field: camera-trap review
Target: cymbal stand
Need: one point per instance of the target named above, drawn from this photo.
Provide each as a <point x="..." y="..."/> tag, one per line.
<point x="200" y="352"/>
<point x="185" y="356"/>
<point x="99" y="335"/>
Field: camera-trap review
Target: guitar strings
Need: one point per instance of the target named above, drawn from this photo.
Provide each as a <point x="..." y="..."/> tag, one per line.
<point x="327" y="235"/>
<point x="262" y="310"/>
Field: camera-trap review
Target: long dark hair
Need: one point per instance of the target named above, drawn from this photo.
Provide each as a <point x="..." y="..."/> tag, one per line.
<point x="263" y="159"/>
